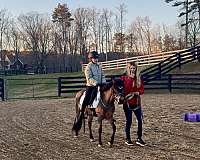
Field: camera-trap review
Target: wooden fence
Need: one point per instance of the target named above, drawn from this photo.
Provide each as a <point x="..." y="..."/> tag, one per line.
<point x="145" y="60"/>
<point x="74" y="84"/>
<point x="176" y="60"/>
<point x="30" y="87"/>
<point x="168" y="82"/>
<point x="70" y="84"/>
<point x="12" y="72"/>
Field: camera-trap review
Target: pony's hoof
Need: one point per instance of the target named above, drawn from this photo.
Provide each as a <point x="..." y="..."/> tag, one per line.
<point x="100" y="145"/>
<point x="91" y="139"/>
<point x="75" y="136"/>
<point x="110" y="144"/>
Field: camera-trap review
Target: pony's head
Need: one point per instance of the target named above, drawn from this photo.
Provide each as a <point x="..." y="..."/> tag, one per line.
<point x="118" y="87"/>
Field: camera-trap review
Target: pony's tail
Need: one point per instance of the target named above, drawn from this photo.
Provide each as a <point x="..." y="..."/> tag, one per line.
<point x="78" y="122"/>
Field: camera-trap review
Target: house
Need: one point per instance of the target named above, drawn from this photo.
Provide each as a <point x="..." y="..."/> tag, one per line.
<point x="17" y="65"/>
<point x="4" y="61"/>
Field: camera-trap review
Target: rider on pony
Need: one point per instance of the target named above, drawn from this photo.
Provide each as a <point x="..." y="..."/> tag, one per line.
<point x="94" y="77"/>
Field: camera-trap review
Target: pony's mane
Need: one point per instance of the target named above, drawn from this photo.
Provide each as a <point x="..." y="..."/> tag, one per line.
<point x="105" y="87"/>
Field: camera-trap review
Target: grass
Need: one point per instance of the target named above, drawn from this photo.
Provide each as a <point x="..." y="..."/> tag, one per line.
<point x="39" y="85"/>
<point x="32" y="86"/>
<point x="192" y="67"/>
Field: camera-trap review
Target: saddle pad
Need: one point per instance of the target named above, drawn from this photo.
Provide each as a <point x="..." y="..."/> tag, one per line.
<point x="95" y="102"/>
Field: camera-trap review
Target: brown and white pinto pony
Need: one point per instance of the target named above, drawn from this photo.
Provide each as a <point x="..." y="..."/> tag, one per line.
<point x="109" y="92"/>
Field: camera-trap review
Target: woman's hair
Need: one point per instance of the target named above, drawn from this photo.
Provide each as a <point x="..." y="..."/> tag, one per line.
<point x="137" y="81"/>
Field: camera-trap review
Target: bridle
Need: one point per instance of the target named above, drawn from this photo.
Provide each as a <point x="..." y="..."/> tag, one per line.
<point x="116" y="94"/>
<point x="118" y="91"/>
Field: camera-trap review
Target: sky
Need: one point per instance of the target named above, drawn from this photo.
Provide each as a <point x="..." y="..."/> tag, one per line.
<point x="158" y="11"/>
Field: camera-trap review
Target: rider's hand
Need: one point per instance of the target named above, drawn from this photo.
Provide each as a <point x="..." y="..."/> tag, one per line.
<point x="97" y="84"/>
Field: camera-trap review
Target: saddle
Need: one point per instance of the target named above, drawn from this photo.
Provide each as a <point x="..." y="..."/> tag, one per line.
<point x="94" y="100"/>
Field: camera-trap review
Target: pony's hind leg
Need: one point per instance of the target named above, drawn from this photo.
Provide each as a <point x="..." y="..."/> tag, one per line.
<point x="90" y="118"/>
<point x="78" y="114"/>
<point x="73" y="128"/>
<point x="112" y="122"/>
<point x="100" y="130"/>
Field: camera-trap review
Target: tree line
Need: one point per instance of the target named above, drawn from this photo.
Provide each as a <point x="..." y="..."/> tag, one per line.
<point x="84" y="29"/>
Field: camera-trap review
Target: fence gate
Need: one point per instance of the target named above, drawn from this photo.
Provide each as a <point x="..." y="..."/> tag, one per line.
<point x="25" y="88"/>
<point x="2" y="89"/>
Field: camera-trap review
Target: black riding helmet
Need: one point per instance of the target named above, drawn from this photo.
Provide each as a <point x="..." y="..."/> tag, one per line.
<point x="93" y="54"/>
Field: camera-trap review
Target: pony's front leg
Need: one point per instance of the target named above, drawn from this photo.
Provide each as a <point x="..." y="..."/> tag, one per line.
<point x="100" y="131"/>
<point x="90" y="118"/>
<point x="112" y="122"/>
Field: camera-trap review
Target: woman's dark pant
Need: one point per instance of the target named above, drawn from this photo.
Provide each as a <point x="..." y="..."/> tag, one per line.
<point x="91" y="92"/>
<point x="128" y="114"/>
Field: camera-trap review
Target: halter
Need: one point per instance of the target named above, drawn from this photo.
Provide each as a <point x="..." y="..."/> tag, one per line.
<point x="116" y="94"/>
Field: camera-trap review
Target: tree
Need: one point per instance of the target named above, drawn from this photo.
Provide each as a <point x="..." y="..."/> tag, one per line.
<point x="122" y="10"/>
<point x="146" y="26"/>
<point x="169" y="43"/>
<point x="140" y="28"/>
<point x="4" y="25"/>
<point x="119" y="40"/>
<point x="36" y="32"/>
<point x="190" y="7"/>
<point x="94" y="29"/>
<point x="14" y="38"/>
<point x="107" y="15"/>
<point x="83" y="19"/>
<point x="63" y="18"/>
<point x="194" y="30"/>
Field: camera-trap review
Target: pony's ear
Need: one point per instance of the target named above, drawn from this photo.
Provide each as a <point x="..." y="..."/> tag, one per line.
<point x="113" y="78"/>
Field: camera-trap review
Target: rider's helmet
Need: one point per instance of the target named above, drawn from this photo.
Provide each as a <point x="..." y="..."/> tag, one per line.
<point x="93" y="54"/>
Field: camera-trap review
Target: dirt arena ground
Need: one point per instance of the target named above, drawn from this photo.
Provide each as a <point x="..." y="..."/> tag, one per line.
<point x="41" y="130"/>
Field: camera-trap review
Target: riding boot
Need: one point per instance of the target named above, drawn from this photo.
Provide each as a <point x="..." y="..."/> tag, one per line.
<point x="78" y="121"/>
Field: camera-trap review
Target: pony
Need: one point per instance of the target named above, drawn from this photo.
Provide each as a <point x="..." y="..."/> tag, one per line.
<point x="109" y="93"/>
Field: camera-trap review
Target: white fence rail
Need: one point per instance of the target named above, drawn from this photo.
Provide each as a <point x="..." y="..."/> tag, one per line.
<point x="144" y="60"/>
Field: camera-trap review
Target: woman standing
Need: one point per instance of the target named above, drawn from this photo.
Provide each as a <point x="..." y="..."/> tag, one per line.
<point x="133" y="87"/>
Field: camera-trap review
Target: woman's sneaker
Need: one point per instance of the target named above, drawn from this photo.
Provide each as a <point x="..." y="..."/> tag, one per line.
<point x="140" y="142"/>
<point x="129" y="142"/>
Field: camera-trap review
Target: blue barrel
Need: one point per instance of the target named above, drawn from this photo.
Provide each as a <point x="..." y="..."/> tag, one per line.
<point x="192" y="117"/>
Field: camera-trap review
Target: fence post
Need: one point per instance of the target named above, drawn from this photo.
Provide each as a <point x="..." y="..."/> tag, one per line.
<point x="2" y="89"/>
<point x="33" y="87"/>
<point x="194" y="53"/>
<point x="170" y="83"/>
<point x="179" y="60"/>
<point x="159" y="70"/>
<point x="59" y="86"/>
<point x="198" y="54"/>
